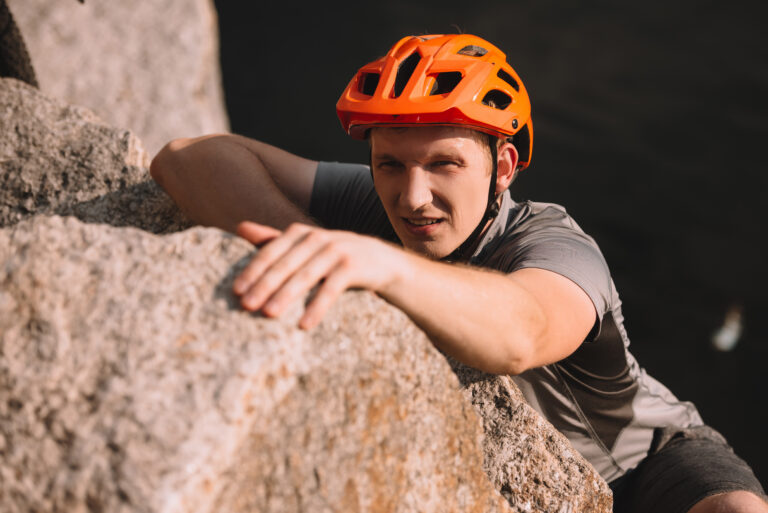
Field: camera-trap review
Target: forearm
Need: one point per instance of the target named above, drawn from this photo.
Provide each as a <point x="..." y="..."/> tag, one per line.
<point x="223" y="180"/>
<point x="482" y="318"/>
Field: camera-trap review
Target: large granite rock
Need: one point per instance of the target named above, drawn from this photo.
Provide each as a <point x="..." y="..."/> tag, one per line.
<point x="149" y="66"/>
<point x="61" y="159"/>
<point x="130" y="381"/>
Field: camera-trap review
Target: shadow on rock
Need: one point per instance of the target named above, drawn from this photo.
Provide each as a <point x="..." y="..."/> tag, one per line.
<point x="144" y="205"/>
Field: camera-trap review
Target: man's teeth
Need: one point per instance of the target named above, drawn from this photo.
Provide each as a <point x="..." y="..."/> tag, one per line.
<point x="423" y="222"/>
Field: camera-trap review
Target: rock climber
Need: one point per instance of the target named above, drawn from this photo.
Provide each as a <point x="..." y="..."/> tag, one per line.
<point x="430" y="226"/>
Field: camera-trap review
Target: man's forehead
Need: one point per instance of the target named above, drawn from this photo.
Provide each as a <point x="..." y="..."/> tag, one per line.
<point x="444" y="137"/>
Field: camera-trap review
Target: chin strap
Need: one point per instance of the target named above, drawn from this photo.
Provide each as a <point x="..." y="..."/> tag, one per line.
<point x="491" y="210"/>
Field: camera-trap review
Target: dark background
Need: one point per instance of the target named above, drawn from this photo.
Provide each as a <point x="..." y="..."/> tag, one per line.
<point x="650" y="127"/>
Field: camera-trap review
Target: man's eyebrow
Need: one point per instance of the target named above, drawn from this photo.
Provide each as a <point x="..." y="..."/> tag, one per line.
<point x="385" y="156"/>
<point x="441" y="155"/>
<point x="446" y="155"/>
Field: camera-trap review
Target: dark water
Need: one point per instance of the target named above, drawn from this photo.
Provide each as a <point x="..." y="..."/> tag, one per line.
<point x="650" y="127"/>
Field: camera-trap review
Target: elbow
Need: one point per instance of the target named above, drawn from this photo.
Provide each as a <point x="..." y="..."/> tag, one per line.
<point x="503" y="354"/>
<point x="515" y="365"/>
<point x="511" y="358"/>
<point x="167" y="162"/>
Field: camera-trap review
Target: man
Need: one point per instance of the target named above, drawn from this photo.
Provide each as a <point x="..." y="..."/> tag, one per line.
<point x="513" y="288"/>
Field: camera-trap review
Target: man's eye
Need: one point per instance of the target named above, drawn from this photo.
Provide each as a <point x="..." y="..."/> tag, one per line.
<point x="445" y="163"/>
<point x="388" y="164"/>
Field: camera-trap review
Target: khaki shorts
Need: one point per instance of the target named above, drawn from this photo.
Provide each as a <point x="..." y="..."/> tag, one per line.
<point x="683" y="466"/>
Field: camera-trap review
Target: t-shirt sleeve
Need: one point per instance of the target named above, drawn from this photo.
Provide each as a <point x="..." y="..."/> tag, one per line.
<point x="551" y="240"/>
<point x="343" y="198"/>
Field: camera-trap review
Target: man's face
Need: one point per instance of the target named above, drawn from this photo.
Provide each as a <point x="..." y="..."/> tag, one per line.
<point x="433" y="183"/>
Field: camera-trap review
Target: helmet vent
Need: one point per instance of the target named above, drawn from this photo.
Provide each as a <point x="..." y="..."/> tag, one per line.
<point x="497" y="99"/>
<point x="473" y="51"/>
<point x="445" y="82"/>
<point x="368" y="83"/>
<point x="404" y="72"/>
<point x="506" y="77"/>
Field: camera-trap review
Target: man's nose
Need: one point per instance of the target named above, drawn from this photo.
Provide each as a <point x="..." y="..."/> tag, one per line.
<point x="417" y="190"/>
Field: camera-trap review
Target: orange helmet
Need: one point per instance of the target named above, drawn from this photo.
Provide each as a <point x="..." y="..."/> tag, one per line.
<point x="456" y="79"/>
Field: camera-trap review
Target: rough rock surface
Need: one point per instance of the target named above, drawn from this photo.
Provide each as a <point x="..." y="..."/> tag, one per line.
<point x="58" y="158"/>
<point x="149" y="66"/>
<point x="527" y="459"/>
<point x="130" y="381"/>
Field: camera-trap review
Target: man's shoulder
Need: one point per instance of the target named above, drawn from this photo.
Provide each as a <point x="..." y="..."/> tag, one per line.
<point x="528" y="217"/>
<point x="543" y="235"/>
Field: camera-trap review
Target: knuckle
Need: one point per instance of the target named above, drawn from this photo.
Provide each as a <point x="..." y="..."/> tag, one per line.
<point x="333" y="246"/>
<point x="270" y="281"/>
<point x="304" y="274"/>
<point x="270" y="252"/>
<point x="316" y="237"/>
<point x="254" y="268"/>
<point x="248" y="275"/>
<point x="296" y="228"/>
<point x="263" y="253"/>
<point x="283" y="296"/>
<point x="346" y="264"/>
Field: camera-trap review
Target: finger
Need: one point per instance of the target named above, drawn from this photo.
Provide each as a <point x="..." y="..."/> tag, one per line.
<point x="328" y="292"/>
<point x="315" y="268"/>
<point x="300" y="257"/>
<point x="257" y="234"/>
<point x="267" y="255"/>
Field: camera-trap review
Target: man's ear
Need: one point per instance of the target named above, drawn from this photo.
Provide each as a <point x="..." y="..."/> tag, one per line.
<point x="506" y="166"/>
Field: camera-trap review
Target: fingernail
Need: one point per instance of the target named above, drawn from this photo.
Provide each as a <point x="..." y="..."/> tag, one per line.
<point x="270" y="307"/>
<point x="249" y="302"/>
<point x="306" y="323"/>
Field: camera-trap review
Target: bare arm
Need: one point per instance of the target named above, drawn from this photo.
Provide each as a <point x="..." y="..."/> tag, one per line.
<point x="221" y="180"/>
<point x="498" y="323"/>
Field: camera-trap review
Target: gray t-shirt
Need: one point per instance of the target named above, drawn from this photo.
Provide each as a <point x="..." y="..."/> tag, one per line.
<point x="598" y="397"/>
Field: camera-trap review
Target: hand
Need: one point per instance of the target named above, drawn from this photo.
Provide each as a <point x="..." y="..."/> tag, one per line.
<point x="292" y="262"/>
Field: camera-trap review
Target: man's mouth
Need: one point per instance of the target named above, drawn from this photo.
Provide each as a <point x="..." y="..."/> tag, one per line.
<point x="422" y="222"/>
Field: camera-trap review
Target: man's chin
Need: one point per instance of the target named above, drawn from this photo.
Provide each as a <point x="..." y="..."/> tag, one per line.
<point x="434" y="250"/>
